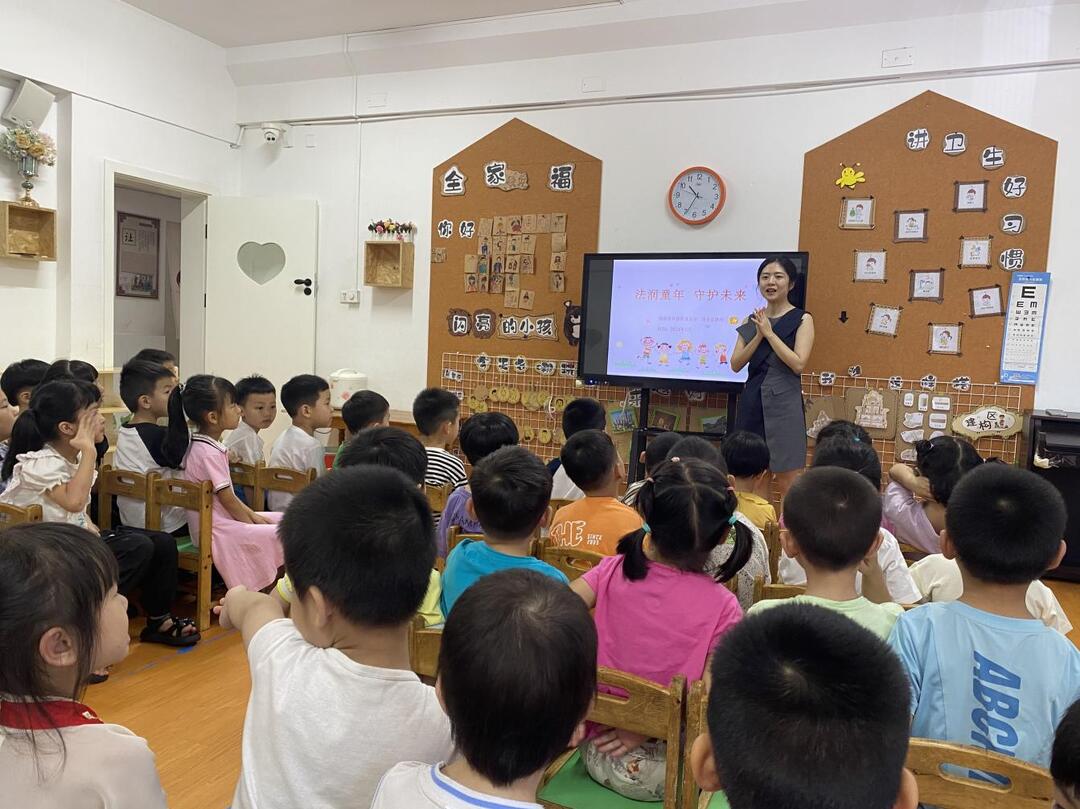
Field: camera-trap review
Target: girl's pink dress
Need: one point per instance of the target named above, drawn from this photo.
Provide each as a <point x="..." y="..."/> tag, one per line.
<point x="244" y="553"/>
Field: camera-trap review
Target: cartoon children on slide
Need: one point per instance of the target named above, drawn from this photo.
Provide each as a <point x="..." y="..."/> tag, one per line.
<point x="703" y="354"/>
<point x="721" y="353"/>
<point x="685" y="347"/>
<point x="663" y="349"/>
<point x="647" y="345"/>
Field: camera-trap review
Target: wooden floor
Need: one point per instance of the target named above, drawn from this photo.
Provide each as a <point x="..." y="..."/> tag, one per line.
<point x="190" y="707"/>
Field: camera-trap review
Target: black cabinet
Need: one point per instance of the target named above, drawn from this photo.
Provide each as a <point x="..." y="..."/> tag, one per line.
<point x="1054" y="454"/>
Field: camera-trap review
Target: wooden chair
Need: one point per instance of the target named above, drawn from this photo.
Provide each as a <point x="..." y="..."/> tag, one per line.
<point x="282" y="479"/>
<point x="424" y="648"/>
<point x="13" y="515"/>
<point x="772" y="541"/>
<point x="247" y="475"/>
<point x="650" y="709"/>
<point x="557" y="504"/>
<point x="764" y="591"/>
<point x="112" y="483"/>
<point x="438" y="495"/>
<point x="1029" y="787"/>
<point x="571" y="561"/>
<point x="199" y="498"/>
<point x="697" y="703"/>
<point x="454" y="537"/>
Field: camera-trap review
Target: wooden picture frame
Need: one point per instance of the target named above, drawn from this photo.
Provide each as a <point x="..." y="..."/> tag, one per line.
<point x="871" y="267"/>
<point x="986" y="301"/>
<point x="857" y="213"/>
<point x="920" y="287"/>
<point x="884" y="320"/>
<point x="976" y="252"/>
<point x="903" y="229"/>
<point x="969" y="196"/>
<point x="138" y="256"/>
<point x="945" y="338"/>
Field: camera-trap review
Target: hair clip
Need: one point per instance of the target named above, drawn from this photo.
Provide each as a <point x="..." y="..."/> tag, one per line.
<point x="645" y="527"/>
<point x="180" y="387"/>
<point x="676" y="459"/>
<point x="732" y="519"/>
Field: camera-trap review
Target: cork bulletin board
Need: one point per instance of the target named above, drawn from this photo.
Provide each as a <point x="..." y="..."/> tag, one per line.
<point x="912" y="221"/>
<point x="512" y="217"/>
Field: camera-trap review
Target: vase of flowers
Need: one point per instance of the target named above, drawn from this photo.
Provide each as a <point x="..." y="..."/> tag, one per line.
<point x="389" y="230"/>
<point x="29" y="148"/>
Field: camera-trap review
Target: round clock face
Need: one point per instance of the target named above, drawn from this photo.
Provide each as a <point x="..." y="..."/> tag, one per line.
<point x="697" y="195"/>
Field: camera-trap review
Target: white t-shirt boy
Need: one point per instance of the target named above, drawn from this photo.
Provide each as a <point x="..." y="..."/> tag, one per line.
<point x="245" y="442"/>
<point x="294" y="449"/>
<point x="415" y="785"/>
<point x="139" y="449"/>
<point x="321" y="729"/>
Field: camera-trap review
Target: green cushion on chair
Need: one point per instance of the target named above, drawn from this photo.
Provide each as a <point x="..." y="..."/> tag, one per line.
<point x="573" y="787"/>
<point x="718" y="800"/>
<point x="185" y="545"/>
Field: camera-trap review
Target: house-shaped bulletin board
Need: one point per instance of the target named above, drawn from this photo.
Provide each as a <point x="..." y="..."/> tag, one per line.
<point x="512" y="217"/>
<point x="911" y="249"/>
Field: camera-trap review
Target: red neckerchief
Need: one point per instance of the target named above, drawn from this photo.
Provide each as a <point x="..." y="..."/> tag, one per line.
<point x="59" y="713"/>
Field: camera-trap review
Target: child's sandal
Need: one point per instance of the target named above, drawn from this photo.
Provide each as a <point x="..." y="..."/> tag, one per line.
<point x="173" y="636"/>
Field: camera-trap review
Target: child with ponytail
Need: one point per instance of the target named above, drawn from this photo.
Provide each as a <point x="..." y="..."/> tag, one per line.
<point x="658" y="614"/>
<point x="246" y="548"/>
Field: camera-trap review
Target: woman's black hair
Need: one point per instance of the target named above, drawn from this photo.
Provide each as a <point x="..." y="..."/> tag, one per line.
<point x="202" y="394"/>
<point x="786" y="264"/>
<point x="50" y="404"/>
<point x="51" y="575"/>
<point x="71" y="369"/>
<point x="943" y="461"/>
<point x="688" y="507"/>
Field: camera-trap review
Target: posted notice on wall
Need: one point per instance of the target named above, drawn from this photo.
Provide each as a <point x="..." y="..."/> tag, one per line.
<point x="1025" y="321"/>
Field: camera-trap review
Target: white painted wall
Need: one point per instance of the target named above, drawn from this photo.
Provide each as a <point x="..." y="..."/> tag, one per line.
<point x="140" y="322"/>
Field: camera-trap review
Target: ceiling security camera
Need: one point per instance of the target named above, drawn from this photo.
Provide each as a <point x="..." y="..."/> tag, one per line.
<point x="276" y="133"/>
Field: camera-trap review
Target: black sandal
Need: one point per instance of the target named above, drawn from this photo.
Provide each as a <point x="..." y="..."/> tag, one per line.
<point x="97" y="679"/>
<point x="173" y="636"/>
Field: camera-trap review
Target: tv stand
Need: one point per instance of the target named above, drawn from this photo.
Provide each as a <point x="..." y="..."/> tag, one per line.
<point x="643" y="431"/>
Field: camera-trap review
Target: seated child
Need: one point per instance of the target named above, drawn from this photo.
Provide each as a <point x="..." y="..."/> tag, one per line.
<point x="142" y="445"/>
<point x="19" y="380"/>
<point x="437" y="413"/>
<point x="61" y="617"/>
<point x="511" y="489"/>
<point x="506" y="726"/>
<point x="887" y="577"/>
<point x="655" y="453"/>
<point x="657" y="613"/>
<point x="8" y="413"/>
<point x="52" y="464"/>
<point x="830" y="695"/>
<point x="982" y="670"/>
<point x="333" y="703"/>
<point x="579" y="414"/>
<point x="694" y="446"/>
<point x="159" y="356"/>
<point x="597" y="522"/>
<point x="1065" y="760"/>
<point x="246" y="547"/>
<point x="306" y="398"/>
<point x="916" y="500"/>
<point x="257" y="398"/>
<point x="364" y="409"/>
<point x="747" y="458"/>
<point x="481" y="435"/>
<point x="938" y="579"/>
<point x="841" y="428"/>
<point x="832" y="522"/>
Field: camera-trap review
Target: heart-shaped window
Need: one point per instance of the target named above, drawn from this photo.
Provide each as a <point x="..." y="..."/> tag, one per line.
<point x="261" y="262"/>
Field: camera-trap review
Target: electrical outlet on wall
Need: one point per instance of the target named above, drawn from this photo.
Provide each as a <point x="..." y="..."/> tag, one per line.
<point x="349" y="296"/>
<point x="898" y="57"/>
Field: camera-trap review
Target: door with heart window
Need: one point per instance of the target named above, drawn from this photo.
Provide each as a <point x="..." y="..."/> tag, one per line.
<point x="261" y="264"/>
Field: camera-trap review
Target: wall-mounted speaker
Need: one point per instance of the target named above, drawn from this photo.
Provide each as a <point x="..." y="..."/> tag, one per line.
<point x="30" y="104"/>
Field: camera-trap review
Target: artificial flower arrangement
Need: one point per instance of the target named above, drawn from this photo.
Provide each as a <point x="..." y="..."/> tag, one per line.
<point x="21" y="142"/>
<point x="388" y="227"/>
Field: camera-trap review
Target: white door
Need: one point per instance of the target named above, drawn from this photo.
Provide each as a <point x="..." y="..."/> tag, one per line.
<point x="261" y="262"/>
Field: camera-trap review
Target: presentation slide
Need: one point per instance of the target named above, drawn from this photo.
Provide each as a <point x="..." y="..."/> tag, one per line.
<point x="676" y="318"/>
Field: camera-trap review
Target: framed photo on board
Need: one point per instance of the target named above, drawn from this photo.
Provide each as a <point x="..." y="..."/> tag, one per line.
<point x="870" y="265"/>
<point x="986" y="301"/>
<point x="138" y="243"/>
<point x="975" y="252"/>
<point x="970" y="196"/>
<point x="884" y="320"/>
<point x="945" y="338"/>
<point x="910" y="226"/>
<point x="857" y="213"/>
<point x="927" y="285"/>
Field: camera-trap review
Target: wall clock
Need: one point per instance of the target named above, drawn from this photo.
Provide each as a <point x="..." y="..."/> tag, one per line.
<point x="697" y="195"/>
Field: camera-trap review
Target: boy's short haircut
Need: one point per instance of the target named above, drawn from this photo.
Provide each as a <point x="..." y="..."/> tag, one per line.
<point x="1006" y="523"/>
<point x="432" y="407"/>
<point x="588" y="457"/>
<point x="503" y="717"/>
<point x="483" y="433"/>
<point x="511" y="489"/>
<point x="21" y="375"/>
<point x="1065" y="758"/>
<point x="834" y="515"/>
<point x="746" y="454"/>
<point x="847" y="454"/>
<point x="841" y="428"/>
<point x="364" y="536"/>
<point x="253" y="384"/>
<point x="160" y="356"/>
<point x="834" y="698"/>
<point x="365" y="408"/>
<point x="387" y="446"/>
<point x="583" y="414"/>
<point x="139" y="378"/>
<point x="301" y="390"/>
<point x="694" y="446"/>
<point x="657" y="448"/>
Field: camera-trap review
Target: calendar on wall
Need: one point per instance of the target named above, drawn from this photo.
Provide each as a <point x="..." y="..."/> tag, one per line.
<point x="1025" y="321"/>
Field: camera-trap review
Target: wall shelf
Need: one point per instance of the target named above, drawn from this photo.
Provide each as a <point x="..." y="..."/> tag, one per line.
<point x="389" y="264"/>
<point x="27" y="233"/>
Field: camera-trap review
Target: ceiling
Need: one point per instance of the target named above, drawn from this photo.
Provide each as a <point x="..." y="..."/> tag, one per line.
<point x="233" y="23"/>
